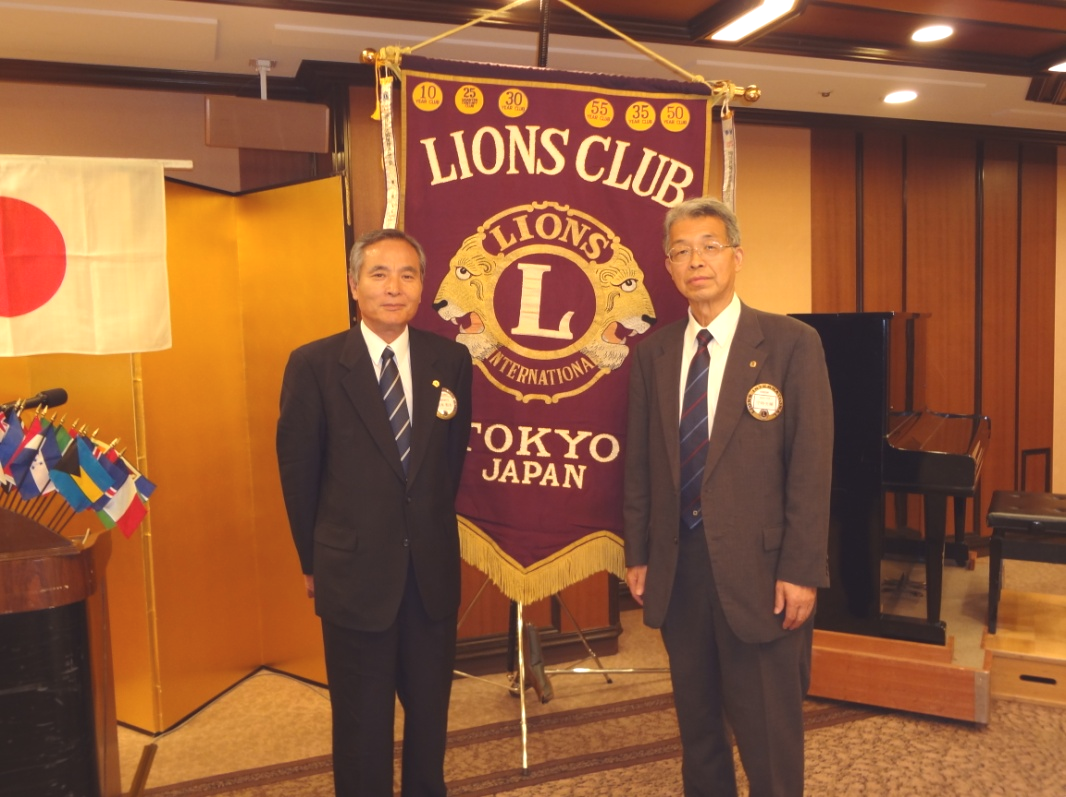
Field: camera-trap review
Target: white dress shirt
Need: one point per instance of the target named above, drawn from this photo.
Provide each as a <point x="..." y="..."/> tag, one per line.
<point x="722" y="329"/>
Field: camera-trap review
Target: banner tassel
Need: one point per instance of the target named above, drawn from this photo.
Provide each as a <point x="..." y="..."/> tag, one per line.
<point x="729" y="158"/>
<point x="591" y="554"/>
<point x="388" y="150"/>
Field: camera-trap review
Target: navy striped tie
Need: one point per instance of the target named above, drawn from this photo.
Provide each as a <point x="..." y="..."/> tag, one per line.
<point x="693" y="431"/>
<point x="396" y="405"/>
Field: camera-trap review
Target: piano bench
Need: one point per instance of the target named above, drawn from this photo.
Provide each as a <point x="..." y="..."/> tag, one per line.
<point x="1027" y="526"/>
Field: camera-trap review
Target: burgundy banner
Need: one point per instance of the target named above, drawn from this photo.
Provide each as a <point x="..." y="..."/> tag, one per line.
<point x="539" y="198"/>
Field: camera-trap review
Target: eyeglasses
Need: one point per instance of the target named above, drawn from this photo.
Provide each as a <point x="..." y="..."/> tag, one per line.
<point x="682" y="255"/>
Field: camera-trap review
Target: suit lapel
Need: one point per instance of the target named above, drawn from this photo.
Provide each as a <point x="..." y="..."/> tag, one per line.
<point x="426" y="398"/>
<point x="361" y="385"/>
<point x="668" y="381"/>
<point x="741" y="374"/>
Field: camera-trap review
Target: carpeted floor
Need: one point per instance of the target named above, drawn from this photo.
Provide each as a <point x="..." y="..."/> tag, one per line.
<point x="631" y="748"/>
<point x="604" y="743"/>
<point x="270" y="738"/>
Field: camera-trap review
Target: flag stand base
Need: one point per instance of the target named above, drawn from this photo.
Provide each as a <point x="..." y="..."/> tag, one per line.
<point x="540" y="675"/>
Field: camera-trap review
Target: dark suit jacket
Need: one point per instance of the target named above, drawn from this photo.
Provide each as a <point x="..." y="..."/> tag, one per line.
<point x="766" y="484"/>
<point x="356" y="521"/>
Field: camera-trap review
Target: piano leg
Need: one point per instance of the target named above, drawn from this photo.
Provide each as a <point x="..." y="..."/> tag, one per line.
<point x="995" y="580"/>
<point x="961" y="549"/>
<point x="936" y="517"/>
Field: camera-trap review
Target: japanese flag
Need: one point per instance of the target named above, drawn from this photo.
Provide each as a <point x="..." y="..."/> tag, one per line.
<point x="82" y="256"/>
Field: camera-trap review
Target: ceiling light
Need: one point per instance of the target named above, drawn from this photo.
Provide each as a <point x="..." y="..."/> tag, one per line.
<point x="897" y="97"/>
<point x="1058" y="67"/>
<point x="932" y="33"/>
<point x="757" y="18"/>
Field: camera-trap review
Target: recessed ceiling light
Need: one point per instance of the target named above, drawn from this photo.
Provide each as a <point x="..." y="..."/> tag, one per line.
<point x="1058" y="67"/>
<point x="757" y="18"/>
<point x="897" y="97"/>
<point x="932" y="33"/>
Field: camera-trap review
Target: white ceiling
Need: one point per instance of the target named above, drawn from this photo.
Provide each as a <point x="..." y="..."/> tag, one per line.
<point x="208" y="37"/>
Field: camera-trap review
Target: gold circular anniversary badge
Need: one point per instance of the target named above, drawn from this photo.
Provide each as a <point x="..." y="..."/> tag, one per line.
<point x="641" y="116"/>
<point x="675" y="117"/>
<point x="513" y="103"/>
<point x="765" y="402"/>
<point x="599" y="112"/>
<point x="469" y="99"/>
<point x="427" y="96"/>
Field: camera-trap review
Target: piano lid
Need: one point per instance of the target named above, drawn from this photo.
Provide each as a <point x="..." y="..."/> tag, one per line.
<point x="935" y="452"/>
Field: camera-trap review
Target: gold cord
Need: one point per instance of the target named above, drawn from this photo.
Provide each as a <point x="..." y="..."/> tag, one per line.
<point x="721" y="90"/>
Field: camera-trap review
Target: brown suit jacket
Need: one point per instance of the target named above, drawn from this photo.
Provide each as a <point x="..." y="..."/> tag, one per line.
<point x="354" y="518"/>
<point x="766" y="484"/>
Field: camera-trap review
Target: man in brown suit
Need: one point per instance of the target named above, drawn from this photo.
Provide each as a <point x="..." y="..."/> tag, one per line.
<point x="728" y="470"/>
<point x="371" y="441"/>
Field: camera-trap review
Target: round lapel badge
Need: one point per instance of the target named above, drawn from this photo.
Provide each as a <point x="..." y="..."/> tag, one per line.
<point x="447" y="405"/>
<point x="765" y="402"/>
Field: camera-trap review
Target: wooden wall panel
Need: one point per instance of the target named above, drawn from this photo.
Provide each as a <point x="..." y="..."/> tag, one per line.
<point x="999" y="315"/>
<point x="41" y="119"/>
<point x="262" y="168"/>
<point x="484" y="619"/>
<point x="883" y="234"/>
<point x="365" y="185"/>
<point x="834" y="235"/>
<point x="940" y="255"/>
<point x="1036" y="343"/>
<point x="773" y="206"/>
<point x="1059" y="472"/>
<point x="882" y="246"/>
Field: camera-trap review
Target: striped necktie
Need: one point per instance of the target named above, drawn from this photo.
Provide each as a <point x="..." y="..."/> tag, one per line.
<point x="693" y="431"/>
<point x="396" y="405"/>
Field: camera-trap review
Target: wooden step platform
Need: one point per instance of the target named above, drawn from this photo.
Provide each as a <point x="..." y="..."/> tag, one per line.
<point x="1028" y="650"/>
<point x="909" y="676"/>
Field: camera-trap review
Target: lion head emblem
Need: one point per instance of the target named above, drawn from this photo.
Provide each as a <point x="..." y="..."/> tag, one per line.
<point x="623" y="308"/>
<point x="623" y="304"/>
<point x="465" y="296"/>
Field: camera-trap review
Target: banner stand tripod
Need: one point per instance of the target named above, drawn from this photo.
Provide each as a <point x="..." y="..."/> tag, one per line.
<point x="518" y="679"/>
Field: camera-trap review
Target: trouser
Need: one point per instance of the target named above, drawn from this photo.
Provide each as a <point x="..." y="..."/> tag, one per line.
<point x="721" y="682"/>
<point x="412" y="659"/>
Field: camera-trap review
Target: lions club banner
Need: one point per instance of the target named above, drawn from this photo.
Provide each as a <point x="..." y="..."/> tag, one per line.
<point x="539" y="197"/>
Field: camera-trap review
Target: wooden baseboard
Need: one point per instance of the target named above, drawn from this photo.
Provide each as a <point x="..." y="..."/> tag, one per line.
<point x="890" y="673"/>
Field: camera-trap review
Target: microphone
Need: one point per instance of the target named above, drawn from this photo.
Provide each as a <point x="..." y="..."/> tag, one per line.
<point x="53" y="397"/>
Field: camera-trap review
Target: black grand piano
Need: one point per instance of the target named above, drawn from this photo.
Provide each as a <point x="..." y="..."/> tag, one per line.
<point x="888" y="445"/>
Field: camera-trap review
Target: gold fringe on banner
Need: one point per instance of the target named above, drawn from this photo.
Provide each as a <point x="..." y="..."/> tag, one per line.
<point x="590" y="555"/>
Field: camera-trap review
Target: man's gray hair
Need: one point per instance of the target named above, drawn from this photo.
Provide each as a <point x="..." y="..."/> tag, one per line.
<point x="698" y="208"/>
<point x="355" y="261"/>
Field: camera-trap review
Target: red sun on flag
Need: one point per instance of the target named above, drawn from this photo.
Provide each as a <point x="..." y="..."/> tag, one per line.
<point x="33" y="257"/>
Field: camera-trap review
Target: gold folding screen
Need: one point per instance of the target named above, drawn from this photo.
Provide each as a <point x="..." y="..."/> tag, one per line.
<point x="209" y="588"/>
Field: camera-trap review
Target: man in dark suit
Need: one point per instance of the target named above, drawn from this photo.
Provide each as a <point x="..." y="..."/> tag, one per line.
<point x="371" y="440"/>
<point x="728" y="469"/>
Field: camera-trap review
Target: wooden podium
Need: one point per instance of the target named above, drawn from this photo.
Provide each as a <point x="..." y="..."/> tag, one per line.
<point x="58" y="732"/>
